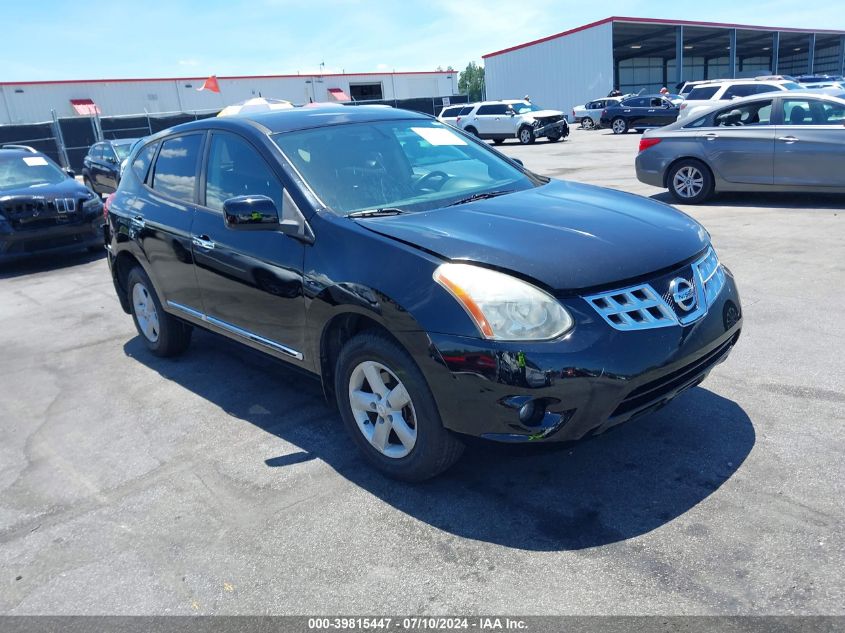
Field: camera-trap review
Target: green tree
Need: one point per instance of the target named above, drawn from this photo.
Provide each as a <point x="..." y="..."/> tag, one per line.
<point x="471" y="82"/>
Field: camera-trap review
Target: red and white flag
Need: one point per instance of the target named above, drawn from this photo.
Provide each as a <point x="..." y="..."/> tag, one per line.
<point x="210" y="84"/>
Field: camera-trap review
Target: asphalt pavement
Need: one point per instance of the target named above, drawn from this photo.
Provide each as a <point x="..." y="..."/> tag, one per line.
<point x="222" y="483"/>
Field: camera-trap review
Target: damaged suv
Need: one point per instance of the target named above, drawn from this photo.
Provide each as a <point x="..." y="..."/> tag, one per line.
<point x="515" y="118"/>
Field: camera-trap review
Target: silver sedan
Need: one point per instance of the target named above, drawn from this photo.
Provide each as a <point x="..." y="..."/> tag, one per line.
<point x="793" y="141"/>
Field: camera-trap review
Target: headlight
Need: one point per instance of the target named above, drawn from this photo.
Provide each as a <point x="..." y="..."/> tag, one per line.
<point x="712" y="275"/>
<point x="503" y="307"/>
<point x="92" y="204"/>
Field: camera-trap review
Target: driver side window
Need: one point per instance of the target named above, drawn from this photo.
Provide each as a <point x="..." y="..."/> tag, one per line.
<point x="236" y="169"/>
<point x="755" y="113"/>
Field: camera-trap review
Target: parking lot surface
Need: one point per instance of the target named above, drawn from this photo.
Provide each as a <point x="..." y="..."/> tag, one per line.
<point x="221" y="482"/>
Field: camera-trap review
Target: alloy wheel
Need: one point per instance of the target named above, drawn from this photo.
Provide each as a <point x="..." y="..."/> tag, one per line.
<point x="688" y="181"/>
<point x="525" y="136"/>
<point x="145" y="312"/>
<point x="618" y="126"/>
<point x="587" y="123"/>
<point x="382" y="408"/>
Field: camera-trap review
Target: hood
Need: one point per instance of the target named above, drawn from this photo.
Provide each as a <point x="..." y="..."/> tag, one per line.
<point x="565" y="235"/>
<point x="541" y="114"/>
<point x="68" y="188"/>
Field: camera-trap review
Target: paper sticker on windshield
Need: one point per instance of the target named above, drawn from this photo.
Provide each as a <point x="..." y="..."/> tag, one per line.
<point x="439" y="136"/>
<point x="34" y="161"/>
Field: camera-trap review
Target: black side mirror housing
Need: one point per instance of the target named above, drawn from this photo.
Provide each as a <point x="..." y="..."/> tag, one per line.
<point x="70" y="172"/>
<point x="259" y="213"/>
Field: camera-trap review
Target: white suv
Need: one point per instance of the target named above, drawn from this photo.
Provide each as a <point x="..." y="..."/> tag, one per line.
<point x="516" y="118"/>
<point x="705" y="94"/>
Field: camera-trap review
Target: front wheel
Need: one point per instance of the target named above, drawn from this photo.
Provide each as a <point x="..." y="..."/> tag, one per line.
<point x="163" y="334"/>
<point x="619" y="125"/>
<point x="526" y="135"/>
<point x="690" y="181"/>
<point x="587" y="123"/>
<point x="389" y="411"/>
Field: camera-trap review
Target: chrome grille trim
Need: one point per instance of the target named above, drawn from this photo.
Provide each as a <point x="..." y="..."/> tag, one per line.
<point x="641" y="308"/>
<point x="633" y="308"/>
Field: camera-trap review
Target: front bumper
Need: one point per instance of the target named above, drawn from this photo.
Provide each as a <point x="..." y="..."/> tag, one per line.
<point x="558" y="128"/>
<point x="54" y="240"/>
<point x="590" y="380"/>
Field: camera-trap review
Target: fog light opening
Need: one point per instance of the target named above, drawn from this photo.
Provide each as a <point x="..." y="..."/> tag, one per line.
<point x="532" y="412"/>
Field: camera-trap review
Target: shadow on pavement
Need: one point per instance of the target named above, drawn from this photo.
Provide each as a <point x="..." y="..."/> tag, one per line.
<point x="610" y="488"/>
<point x="790" y="201"/>
<point x="43" y="263"/>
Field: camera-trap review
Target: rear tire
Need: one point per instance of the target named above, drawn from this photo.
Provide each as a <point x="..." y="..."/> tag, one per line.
<point x="690" y="181"/>
<point x="472" y="130"/>
<point x="163" y="334"/>
<point x="87" y="182"/>
<point x="587" y="123"/>
<point x="619" y="125"/>
<point x="389" y="411"/>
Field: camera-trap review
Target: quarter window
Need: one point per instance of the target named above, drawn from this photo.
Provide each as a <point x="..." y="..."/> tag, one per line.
<point x="755" y="113"/>
<point x="450" y="112"/>
<point x="175" y="171"/>
<point x="236" y="169"/>
<point x="141" y="164"/>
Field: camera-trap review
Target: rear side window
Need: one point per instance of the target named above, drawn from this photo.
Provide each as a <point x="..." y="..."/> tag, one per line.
<point x="236" y="169"/>
<point x="499" y="108"/>
<point x="702" y="93"/>
<point x="755" y="113"/>
<point x="465" y="111"/>
<point x="741" y="90"/>
<point x="636" y="103"/>
<point x="450" y="112"/>
<point x="175" y="171"/>
<point x="141" y="164"/>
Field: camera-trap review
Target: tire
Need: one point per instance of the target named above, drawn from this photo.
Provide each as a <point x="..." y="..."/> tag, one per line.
<point x="87" y="182"/>
<point x="472" y="130"/>
<point x="619" y="125"/>
<point x="525" y="135"/>
<point x="498" y="141"/>
<point x="163" y="334"/>
<point x="554" y="138"/>
<point x="690" y="181"/>
<point x="424" y="448"/>
<point x="587" y="123"/>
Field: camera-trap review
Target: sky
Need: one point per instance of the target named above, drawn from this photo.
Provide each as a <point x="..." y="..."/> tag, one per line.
<point x="56" y="40"/>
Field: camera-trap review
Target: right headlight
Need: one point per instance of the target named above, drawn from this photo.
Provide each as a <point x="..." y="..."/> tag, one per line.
<point x="503" y="307"/>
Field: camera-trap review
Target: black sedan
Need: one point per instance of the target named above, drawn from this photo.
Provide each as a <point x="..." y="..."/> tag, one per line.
<point x="437" y="288"/>
<point x="101" y="166"/>
<point x="44" y="209"/>
<point x="640" y="113"/>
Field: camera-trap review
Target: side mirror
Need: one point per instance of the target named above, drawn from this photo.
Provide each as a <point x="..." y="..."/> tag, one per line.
<point x="250" y="213"/>
<point x="518" y="162"/>
<point x="70" y="172"/>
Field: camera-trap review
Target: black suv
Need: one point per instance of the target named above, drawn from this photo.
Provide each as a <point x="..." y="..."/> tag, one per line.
<point x="43" y="209"/>
<point x="101" y="167"/>
<point x="436" y="287"/>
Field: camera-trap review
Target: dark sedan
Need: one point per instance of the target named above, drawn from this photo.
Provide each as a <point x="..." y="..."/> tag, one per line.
<point x="640" y="113"/>
<point x="44" y="209"/>
<point x="437" y="288"/>
<point x="101" y="166"/>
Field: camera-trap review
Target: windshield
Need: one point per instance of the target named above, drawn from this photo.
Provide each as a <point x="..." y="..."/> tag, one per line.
<point x="522" y="108"/>
<point x="791" y="85"/>
<point x="410" y="165"/>
<point x="29" y="171"/>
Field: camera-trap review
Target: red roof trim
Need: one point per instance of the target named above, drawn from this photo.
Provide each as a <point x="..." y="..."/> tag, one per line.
<point x="107" y="81"/>
<point x="723" y="25"/>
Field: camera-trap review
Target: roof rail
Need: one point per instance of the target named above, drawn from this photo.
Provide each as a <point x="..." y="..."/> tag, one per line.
<point x="25" y="148"/>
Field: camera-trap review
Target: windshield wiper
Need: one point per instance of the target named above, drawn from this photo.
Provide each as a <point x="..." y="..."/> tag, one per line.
<point x="481" y="196"/>
<point x="374" y="213"/>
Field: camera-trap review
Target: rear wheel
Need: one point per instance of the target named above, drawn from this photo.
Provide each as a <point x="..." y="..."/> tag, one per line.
<point x="690" y="181"/>
<point x="471" y="130"/>
<point x="526" y="135"/>
<point x="554" y="138"/>
<point x="163" y="334"/>
<point x="587" y="123"/>
<point x="389" y="411"/>
<point x="619" y="125"/>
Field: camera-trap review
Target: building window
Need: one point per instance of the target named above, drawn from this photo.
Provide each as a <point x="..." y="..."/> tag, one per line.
<point x="366" y="92"/>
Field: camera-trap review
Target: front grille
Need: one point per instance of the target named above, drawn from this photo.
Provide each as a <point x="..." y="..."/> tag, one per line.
<point x="678" y="298"/>
<point x="656" y="391"/>
<point x="27" y="213"/>
<point x="548" y="119"/>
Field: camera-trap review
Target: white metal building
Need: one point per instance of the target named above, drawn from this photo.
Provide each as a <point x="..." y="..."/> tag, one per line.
<point x="30" y="102"/>
<point x="582" y="64"/>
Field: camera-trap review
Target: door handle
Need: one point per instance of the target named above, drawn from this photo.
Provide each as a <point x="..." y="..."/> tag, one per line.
<point x="711" y="136"/>
<point x="788" y="139"/>
<point x="139" y="221"/>
<point x="203" y="241"/>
